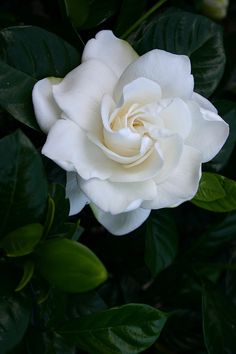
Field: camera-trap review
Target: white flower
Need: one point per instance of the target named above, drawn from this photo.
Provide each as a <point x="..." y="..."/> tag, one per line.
<point x="129" y="130"/>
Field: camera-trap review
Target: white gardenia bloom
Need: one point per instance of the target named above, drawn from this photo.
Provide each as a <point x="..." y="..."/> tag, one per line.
<point x="130" y="131"/>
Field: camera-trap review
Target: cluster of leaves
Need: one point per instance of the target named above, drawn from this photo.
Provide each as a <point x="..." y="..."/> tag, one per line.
<point x="67" y="286"/>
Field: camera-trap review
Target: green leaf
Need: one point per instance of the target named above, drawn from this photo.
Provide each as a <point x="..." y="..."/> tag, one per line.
<point x="62" y="207"/>
<point x="23" y="187"/>
<point x="216" y="193"/>
<point x="15" y="94"/>
<point x="77" y="11"/>
<point x="219" y="322"/>
<point x="161" y="241"/>
<point x="99" y="12"/>
<point x="69" y="265"/>
<point x="128" y="329"/>
<point x="14" y="319"/>
<point x="127" y="16"/>
<point x="27" y="275"/>
<point x="181" y="32"/>
<point x="227" y="110"/>
<point x="22" y="240"/>
<point x="27" y="54"/>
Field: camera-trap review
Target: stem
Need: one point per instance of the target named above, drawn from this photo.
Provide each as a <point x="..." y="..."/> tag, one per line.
<point x="142" y="18"/>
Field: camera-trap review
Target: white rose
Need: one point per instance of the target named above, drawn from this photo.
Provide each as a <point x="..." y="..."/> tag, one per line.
<point x="129" y="130"/>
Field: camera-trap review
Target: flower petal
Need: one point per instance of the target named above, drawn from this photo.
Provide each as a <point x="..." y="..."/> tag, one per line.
<point x="170" y="71"/>
<point x="141" y="91"/>
<point x="77" y="198"/>
<point x="117" y="198"/>
<point x="176" y="117"/>
<point x="209" y="132"/>
<point x="121" y="224"/>
<point x="116" y="53"/>
<point x="203" y="102"/>
<point x="46" y="110"/>
<point x="70" y="148"/>
<point x="182" y="184"/>
<point x="80" y="93"/>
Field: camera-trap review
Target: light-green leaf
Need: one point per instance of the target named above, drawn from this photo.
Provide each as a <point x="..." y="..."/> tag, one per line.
<point x="69" y="265"/>
<point x="22" y="240"/>
<point x="196" y="36"/>
<point x="128" y="329"/>
<point x="161" y="241"/>
<point x="216" y="193"/>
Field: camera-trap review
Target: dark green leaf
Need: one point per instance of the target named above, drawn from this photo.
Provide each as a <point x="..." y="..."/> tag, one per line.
<point x="216" y="193"/>
<point x="127" y="16"/>
<point x="227" y="110"/>
<point x="219" y="322"/>
<point x="62" y="207"/>
<point x="14" y="319"/>
<point x="15" y="94"/>
<point x="161" y="241"/>
<point x="193" y="35"/>
<point x="23" y="187"/>
<point x="29" y="53"/>
<point x="77" y="11"/>
<point x="87" y="303"/>
<point x="99" y="12"/>
<point x="128" y="329"/>
<point x="22" y="240"/>
<point x="70" y="265"/>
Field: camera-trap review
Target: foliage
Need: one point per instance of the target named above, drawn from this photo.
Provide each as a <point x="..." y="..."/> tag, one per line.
<point x="67" y="285"/>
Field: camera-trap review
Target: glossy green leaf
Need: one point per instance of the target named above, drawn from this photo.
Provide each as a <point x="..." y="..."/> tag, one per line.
<point x="23" y="187"/>
<point x="14" y="319"/>
<point x="127" y="329"/>
<point x="77" y="11"/>
<point x="27" y="275"/>
<point x="69" y="265"/>
<point x="29" y="53"/>
<point x="216" y="193"/>
<point x="22" y="240"/>
<point x="219" y="322"/>
<point x="181" y="32"/>
<point x="227" y="110"/>
<point x="161" y="241"/>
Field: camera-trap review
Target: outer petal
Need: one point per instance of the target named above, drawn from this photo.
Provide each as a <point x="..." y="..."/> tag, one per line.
<point x="46" y="110"/>
<point x="170" y="71"/>
<point x="209" y="132"/>
<point x="69" y="147"/>
<point x="80" y="93"/>
<point x="76" y="197"/>
<point x="183" y="183"/>
<point x="116" y="53"/>
<point x="123" y="223"/>
<point x="203" y="102"/>
<point x="117" y="198"/>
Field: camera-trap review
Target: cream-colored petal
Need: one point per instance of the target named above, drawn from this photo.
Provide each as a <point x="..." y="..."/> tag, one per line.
<point x="116" y="53"/>
<point x="209" y="132"/>
<point x="182" y="183"/>
<point x="70" y="148"/>
<point x="170" y="71"/>
<point x="80" y="93"/>
<point x="176" y="118"/>
<point x="141" y="91"/>
<point x="77" y="198"/>
<point x="46" y="110"/>
<point x="116" y="198"/>
<point x="121" y="224"/>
